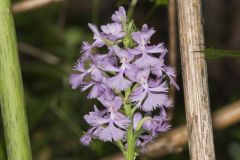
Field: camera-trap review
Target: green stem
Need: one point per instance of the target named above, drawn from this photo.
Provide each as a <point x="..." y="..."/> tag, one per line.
<point x="95" y="11"/>
<point x="130" y="152"/>
<point x="131" y="8"/>
<point x="11" y="90"/>
<point x="150" y="13"/>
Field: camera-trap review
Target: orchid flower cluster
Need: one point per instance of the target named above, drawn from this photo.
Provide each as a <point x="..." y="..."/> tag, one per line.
<point x="131" y="81"/>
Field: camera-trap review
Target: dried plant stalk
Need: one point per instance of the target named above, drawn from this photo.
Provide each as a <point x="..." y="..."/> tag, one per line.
<point x="28" y="5"/>
<point x="198" y="114"/>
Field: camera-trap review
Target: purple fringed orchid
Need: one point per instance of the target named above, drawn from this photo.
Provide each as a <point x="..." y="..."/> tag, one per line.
<point x="130" y="80"/>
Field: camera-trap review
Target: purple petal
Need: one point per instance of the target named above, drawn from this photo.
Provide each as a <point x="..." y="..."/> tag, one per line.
<point x="79" y="66"/>
<point x="76" y="80"/>
<point x="96" y="91"/>
<point x="86" y="50"/>
<point x="157" y="49"/>
<point x="117" y="103"/>
<point x="146" y="61"/>
<point x="136" y="119"/>
<point x="154" y="100"/>
<point x="120" y="15"/>
<point x="118" y="82"/>
<point x="111" y="133"/>
<point x="160" y="88"/>
<point x="171" y="73"/>
<point x="94" y="29"/>
<point x="142" y="37"/>
<point x="113" y="31"/>
<point x="86" y="139"/>
<point x="157" y="69"/>
<point x="95" y="119"/>
<point x="143" y="75"/>
<point x="97" y="36"/>
<point x="131" y="73"/>
<point x="121" y="120"/>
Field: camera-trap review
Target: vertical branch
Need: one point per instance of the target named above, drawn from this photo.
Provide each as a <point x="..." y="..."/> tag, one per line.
<point x="11" y="95"/>
<point x="131" y="9"/>
<point x="172" y="39"/>
<point x="95" y="11"/>
<point x="199" y="122"/>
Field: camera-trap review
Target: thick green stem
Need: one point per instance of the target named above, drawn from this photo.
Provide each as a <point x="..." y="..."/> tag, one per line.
<point x="130" y="153"/>
<point x="11" y="90"/>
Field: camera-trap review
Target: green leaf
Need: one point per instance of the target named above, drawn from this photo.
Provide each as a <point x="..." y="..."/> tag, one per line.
<point x="161" y="2"/>
<point x="212" y="53"/>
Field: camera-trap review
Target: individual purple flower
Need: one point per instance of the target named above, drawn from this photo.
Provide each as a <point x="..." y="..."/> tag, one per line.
<point x="170" y="72"/>
<point x="143" y="140"/>
<point x="136" y="119"/>
<point x="149" y="95"/>
<point x="97" y="89"/>
<point x="119" y="82"/>
<point x="93" y="132"/>
<point x="76" y="79"/>
<point x="143" y="38"/>
<point x="86" y="50"/>
<point x="120" y="15"/>
<point x="113" y="31"/>
<point x="99" y="42"/>
<point x="86" y="139"/>
<point x="112" y="122"/>
<point x="158" y="123"/>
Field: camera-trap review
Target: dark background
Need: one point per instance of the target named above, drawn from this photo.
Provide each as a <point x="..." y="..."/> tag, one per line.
<point x="49" y="43"/>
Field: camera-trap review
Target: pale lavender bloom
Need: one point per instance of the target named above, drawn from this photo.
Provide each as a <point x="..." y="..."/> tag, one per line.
<point x="86" y="139"/>
<point x="143" y="38"/>
<point x="143" y="140"/>
<point x="116" y="122"/>
<point x="113" y="31"/>
<point x="111" y="133"/>
<point x="76" y="80"/>
<point x="156" y="126"/>
<point x="148" y="96"/>
<point x="158" y="123"/>
<point x="98" y="88"/>
<point x="136" y="119"/>
<point x="158" y="69"/>
<point x="96" y="118"/>
<point x="93" y="132"/>
<point x="97" y="36"/>
<point x="116" y="129"/>
<point x="86" y="50"/>
<point x="120" y="15"/>
<point x="119" y="82"/>
<point x="170" y="72"/>
<point x="146" y="61"/>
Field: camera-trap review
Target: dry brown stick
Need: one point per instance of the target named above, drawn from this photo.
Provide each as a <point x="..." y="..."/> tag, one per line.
<point x="196" y="96"/>
<point x="172" y="39"/>
<point x="174" y="140"/>
<point x="24" y="6"/>
<point x="38" y="53"/>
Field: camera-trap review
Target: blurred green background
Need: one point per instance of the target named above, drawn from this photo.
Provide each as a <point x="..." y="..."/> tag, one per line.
<point x="49" y="41"/>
